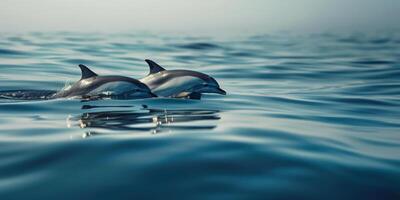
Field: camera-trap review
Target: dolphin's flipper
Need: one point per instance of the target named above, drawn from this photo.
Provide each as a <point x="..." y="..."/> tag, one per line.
<point x="86" y="72"/>
<point x="154" y="67"/>
<point x="189" y="95"/>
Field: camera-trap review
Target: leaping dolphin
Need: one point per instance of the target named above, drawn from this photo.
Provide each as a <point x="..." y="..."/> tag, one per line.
<point x="179" y="83"/>
<point x="92" y="85"/>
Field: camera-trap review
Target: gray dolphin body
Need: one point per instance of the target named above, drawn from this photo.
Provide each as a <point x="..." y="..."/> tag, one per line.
<point x="179" y="83"/>
<point x="92" y="85"/>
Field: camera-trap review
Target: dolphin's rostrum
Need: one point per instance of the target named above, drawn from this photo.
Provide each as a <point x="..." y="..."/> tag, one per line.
<point x="92" y="85"/>
<point x="179" y="83"/>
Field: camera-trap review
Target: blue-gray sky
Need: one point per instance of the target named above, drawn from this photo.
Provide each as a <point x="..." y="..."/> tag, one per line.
<point x="200" y="16"/>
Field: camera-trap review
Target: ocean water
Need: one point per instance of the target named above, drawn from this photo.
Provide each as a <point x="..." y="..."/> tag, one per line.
<point x="306" y="116"/>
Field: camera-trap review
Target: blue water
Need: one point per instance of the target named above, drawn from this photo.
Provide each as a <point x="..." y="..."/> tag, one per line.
<point x="306" y="116"/>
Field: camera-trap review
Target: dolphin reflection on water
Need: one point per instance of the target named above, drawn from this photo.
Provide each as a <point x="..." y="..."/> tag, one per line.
<point x="143" y="119"/>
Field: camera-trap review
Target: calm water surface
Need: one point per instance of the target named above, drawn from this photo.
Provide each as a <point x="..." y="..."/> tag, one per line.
<point x="309" y="117"/>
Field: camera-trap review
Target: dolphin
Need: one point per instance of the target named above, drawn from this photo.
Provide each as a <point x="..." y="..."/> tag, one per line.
<point x="179" y="83"/>
<point x="93" y="86"/>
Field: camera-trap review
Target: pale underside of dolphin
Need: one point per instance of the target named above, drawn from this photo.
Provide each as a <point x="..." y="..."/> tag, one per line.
<point x="179" y="83"/>
<point x="92" y="85"/>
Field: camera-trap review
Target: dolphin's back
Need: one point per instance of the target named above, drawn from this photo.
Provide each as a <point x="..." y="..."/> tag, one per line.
<point x="171" y="83"/>
<point x="97" y="85"/>
<point x="163" y="77"/>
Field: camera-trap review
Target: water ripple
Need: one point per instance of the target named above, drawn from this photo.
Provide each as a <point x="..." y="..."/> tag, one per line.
<point x="301" y="110"/>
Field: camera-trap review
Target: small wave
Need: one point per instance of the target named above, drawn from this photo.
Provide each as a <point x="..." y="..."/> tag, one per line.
<point x="11" y="52"/>
<point x="199" y="46"/>
<point x="374" y="89"/>
<point x="373" y="62"/>
<point x="79" y="61"/>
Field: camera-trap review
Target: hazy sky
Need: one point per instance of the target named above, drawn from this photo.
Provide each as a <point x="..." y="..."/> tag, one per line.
<point x="200" y="16"/>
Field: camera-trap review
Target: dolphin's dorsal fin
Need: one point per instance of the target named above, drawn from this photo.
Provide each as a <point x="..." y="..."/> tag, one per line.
<point x="154" y="67"/>
<point x="86" y="72"/>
